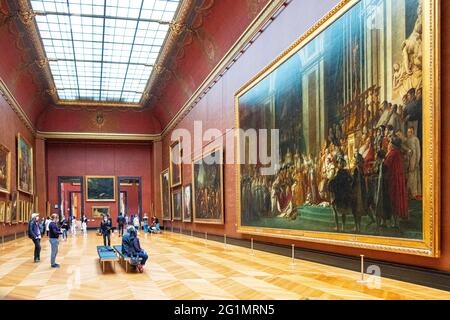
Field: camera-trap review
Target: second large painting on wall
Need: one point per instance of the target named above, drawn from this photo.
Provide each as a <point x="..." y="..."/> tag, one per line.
<point x="207" y="177"/>
<point x="356" y="106"/>
<point x="24" y="165"/>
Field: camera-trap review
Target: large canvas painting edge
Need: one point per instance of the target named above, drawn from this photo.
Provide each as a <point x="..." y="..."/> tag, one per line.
<point x="429" y="245"/>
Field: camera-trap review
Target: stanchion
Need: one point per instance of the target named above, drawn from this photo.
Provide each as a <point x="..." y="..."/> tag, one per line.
<point x="15" y="235"/>
<point x="362" y="280"/>
<point x="192" y="235"/>
<point x="253" y="251"/>
<point x="293" y="255"/>
<point x="225" y="241"/>
<point x="206" y="238"/>
<point x="3" y="241"/>
<point x="171" y="227"/>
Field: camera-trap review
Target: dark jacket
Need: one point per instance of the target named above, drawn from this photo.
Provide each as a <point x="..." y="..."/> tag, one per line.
<point x="54" y="231"/>
<point x="33" y="229"/>
<point x="121" y="220"/>
<point x="127" y="245"/>
<point x="105" y="227"/>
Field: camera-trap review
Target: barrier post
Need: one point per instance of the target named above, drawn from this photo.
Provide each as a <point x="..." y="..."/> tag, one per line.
<point x="293" y="255"/>
<point x="253" y="251"/>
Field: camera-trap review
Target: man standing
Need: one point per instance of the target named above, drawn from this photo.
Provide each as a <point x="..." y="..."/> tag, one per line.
<point x="121" y="222"/>
<point x="54" y="233"/>
<point x="105" y="228"/>
<point x="397" y="181"/>
<point x="34" y="232"/>
<point x="414" y="177"/>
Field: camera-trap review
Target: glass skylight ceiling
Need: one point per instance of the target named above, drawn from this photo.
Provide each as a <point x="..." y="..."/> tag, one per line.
<point x="103" y="50"/>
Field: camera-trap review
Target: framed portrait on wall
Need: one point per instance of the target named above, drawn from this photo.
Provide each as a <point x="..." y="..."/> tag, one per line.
<point x="14" y="207"/>
<point x="99" y="212"/>
<point x="2" y="211"/>
<point x="20" y="211"/>
<point x="25" y="178"/>
<point x="123" y="202"/>
<point x="177" y="205"/>
<point x="356" y="102"/>
<point x="165" y="195"/>
<point x="101" y="189"/>
<point x="187" y="203"/>
<point x="207" y="185"/>
<point x="176" y="166"/>
<point x="8" y="212"/>
<point x="5" y="169"/>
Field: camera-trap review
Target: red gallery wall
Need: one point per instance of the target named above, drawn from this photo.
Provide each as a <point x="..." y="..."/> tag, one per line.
<point x="216" y="110"/>
<point x="99" y="159"/>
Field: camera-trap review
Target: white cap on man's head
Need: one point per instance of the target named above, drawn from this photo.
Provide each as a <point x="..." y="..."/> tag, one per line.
<point x="34" y="215"/>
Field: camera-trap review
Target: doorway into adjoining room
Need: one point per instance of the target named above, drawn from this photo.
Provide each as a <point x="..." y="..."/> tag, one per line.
<point x="71" y="197"/>
<point x="130" y="196"/>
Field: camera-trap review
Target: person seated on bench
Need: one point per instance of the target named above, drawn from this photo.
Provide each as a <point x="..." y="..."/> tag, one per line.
<point x="131" y="247"/>
<point x="105" y="229"/>
<point x="155" y="225"/>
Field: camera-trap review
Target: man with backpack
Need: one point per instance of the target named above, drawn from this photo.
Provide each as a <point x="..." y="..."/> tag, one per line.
<point x="34" y="232"/>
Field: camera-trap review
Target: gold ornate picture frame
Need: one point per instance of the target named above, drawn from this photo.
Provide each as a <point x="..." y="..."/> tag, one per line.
<point x="25" y="166"/>
<point x="5" y="169"/>
<point x="100" y="189"/>
<point x="428" y="244"/>
<point x="165" y="192"/>
<point x="207" y="188"/>
<point x="176" y="170"/>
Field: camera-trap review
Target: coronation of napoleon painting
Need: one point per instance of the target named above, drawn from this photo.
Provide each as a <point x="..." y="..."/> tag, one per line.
<point x="348" y="106"/>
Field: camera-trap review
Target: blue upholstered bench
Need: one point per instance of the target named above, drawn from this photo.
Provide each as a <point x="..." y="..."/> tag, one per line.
<point x="122" y="257"/>
<point x="107" y="254"/>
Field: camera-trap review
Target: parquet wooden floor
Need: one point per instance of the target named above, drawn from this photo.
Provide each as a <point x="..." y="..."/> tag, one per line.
<point x="181" y="267"/>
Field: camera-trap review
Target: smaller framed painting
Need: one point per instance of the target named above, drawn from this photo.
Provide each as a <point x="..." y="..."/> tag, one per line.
<point x="165" y="195"/>
<point x="207" y="187"/>
<point x="20" y="207"/>
<point x="14" y="207"/>
<point x="99" y="212"/>
<point x="101" y="189"/>
<point x="176" y="154"/>
<point x="2" y="211"/>
<point x="24" y="166"/>
<point x="5" y="169"/>
<point x="7" y="212"/>
<point x="187" y="203"/>
<point x="177" y="205"/>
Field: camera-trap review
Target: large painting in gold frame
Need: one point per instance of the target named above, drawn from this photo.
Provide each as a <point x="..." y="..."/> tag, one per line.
<point x="25" y="177"/>
<point x="402" y="75"/>
<point x="101" y="188"/>
<point x="165" y="195"/>
<point x="5" y="169"/>
<point x="207" y="187"/>
<point x="176" y="167"/>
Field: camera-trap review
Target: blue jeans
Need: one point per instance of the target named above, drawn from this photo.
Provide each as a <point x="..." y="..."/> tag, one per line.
<point x="144" y="256"/>
<point x="54" y="244"/>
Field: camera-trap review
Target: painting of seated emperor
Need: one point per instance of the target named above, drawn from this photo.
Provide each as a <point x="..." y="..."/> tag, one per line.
<point x="349" y="109"/>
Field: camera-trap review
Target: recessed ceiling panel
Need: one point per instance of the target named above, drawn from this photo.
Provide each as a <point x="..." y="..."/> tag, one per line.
<point x="103" y="50"/>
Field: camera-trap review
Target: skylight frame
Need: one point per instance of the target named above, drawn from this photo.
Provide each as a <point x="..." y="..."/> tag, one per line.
<point x="114" y="70"/>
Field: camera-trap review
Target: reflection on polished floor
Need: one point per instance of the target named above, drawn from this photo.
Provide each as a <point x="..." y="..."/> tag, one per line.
<point x="181" y="267"/>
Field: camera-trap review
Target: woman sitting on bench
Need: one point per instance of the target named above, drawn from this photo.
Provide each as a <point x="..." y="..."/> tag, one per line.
<point x="131" y="247"/>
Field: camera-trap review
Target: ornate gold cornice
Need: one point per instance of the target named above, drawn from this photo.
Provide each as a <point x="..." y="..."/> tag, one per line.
<point x="98" y="136"/>
<point x="15" y="106"/>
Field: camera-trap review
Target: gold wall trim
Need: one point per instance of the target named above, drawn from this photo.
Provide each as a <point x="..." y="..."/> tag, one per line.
<point x="230" y="57"/>
<point x="98" y="136"/>
<point x="14" y="104"/>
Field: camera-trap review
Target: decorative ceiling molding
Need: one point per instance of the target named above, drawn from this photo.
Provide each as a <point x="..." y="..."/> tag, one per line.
<point x="97" y="136"/>
<point x="15" y="106"/>
<point x="264" y="18"/>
